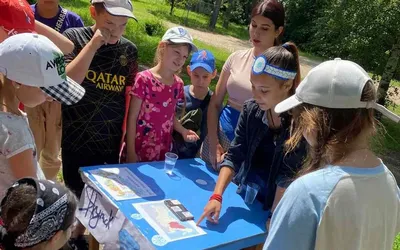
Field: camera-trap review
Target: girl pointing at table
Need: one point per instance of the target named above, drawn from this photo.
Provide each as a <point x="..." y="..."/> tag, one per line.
<point x="257" y="154"/>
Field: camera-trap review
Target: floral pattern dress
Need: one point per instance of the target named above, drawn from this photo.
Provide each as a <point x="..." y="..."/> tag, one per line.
<point x="155" y="122"/>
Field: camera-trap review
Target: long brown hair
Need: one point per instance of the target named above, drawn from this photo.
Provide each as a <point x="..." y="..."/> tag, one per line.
<point x="273" y="10"/>
<point x="285" y="57"/>
<point x="334" y="130"/>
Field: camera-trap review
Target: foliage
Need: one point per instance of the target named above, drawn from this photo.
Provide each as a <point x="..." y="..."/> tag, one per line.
<point x="347" y="29"/>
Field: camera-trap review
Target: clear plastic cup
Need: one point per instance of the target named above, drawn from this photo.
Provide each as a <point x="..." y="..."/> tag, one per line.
<point x="170" y="161"/>
<point x="251" y="192"/>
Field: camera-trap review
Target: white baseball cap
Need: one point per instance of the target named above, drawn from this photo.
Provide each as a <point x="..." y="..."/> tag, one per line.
<point x="33" y="60"/>
<point x="117" y="7"/>
<point x="336" y="84"/>
<point x="179" y="35"/>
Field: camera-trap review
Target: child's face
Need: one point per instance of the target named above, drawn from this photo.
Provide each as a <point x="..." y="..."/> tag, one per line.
<point x="268" y="91"/>
<point x="174" y="56"/>
<point x="200" y="77"/>
<point x="115" y="24"/>
<point x="31" y="96"/>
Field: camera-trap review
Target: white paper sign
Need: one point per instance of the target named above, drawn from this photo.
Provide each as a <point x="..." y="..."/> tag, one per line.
<point x="99" y="215"/>
<point x="121" y="183"/>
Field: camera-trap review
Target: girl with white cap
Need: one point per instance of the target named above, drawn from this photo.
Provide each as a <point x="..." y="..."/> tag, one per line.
<point x="346" y="198"/>
<point x="155" y="95"/>
<point x="32" y="71"/>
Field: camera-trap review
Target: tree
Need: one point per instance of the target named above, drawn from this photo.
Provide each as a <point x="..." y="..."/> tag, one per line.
<point x="227" y="15"/>
<point x="388" y="73"/>
<point x="172" y="2"/>
<point x="214" y="16"/>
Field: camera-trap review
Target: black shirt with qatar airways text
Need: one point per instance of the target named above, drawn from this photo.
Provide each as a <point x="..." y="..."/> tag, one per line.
<point x="94" y="124"/>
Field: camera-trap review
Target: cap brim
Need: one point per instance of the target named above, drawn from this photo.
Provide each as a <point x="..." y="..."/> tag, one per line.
<point x="287" y="104"/>
<point x="201" y="65"/>
<point x="119" y="11"/>
<point x="68" y="92"/>
<point x="178" y="40"/>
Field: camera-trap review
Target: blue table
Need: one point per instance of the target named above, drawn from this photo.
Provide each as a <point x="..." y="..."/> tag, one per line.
<point x="239" y="225"/>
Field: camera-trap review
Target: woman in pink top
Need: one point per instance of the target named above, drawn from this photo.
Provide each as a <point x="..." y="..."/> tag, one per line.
<point x="266" y="28"/>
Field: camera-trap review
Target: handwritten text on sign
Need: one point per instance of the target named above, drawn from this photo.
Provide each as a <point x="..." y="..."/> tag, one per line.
<point x="99" y="215"/>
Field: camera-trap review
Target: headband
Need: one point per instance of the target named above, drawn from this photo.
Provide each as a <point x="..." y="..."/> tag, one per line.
<point x="261" y="66"/>
<point x="49" y="215"/>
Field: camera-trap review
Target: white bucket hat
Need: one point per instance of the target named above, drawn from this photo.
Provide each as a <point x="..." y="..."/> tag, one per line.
<point x="336" y="84"/>
<point x="33" y="60"/>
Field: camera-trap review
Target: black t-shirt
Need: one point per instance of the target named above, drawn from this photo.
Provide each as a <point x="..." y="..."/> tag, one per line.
<point x="94" y="124"/>
<point x="262" y="158"/>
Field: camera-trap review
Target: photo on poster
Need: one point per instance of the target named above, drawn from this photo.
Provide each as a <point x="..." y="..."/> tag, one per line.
<point x="121" y="183"/>
<point x="160" y="217"/>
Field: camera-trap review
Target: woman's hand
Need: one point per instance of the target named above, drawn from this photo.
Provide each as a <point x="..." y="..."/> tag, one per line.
<point x="189" y="135"/>
<point x="211" y="211"/>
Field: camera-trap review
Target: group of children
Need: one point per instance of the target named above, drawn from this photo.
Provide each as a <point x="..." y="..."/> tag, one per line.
<point x="107" y="107"/>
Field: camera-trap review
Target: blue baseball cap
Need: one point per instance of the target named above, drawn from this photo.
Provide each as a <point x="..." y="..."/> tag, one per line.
<point x="204" y="59"/>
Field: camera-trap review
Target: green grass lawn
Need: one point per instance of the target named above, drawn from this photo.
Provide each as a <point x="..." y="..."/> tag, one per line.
<point x="396" y="245"/>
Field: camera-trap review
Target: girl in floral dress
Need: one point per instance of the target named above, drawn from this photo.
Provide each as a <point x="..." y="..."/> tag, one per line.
<point x="151" y="117"/>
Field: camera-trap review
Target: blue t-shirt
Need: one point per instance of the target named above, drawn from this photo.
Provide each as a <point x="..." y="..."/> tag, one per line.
<point x="194" y="103"/>
<point x="72" y="20"/>
<point x="338" y="208"/>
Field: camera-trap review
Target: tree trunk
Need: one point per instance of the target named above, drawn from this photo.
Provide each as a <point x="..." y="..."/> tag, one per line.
<point x="172" y="7"/>
<point x="214" y="17"/>
<point x="387" y="75"/>
<point x="227" y="16"/>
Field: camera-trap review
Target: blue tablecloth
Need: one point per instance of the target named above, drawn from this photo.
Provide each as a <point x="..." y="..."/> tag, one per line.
<point x="192" y="183"/>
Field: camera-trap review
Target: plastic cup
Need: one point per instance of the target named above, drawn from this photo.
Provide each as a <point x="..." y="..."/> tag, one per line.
<point x="251" y="192"/>
<point x="170" y="161"/>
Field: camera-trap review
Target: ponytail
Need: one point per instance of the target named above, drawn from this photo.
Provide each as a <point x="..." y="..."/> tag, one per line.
<point x="285" y="57"/>
<point x="292" y="48"/>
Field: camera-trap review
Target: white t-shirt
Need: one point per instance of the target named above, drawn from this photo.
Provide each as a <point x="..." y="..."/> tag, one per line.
<point x="15" y="137"/>
<point x="338" y="208"/>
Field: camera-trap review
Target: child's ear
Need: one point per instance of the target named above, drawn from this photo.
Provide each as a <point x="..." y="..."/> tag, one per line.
<point x="214" y="74"/>
<point x="92" y="12"/>
<point x="189" y="72"/>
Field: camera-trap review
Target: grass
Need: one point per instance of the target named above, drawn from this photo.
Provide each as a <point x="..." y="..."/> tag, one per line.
<point x="396" y="245"/>
<point x="192" y="19"/>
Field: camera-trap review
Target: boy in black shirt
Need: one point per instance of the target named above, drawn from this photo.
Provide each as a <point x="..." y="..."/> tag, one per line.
<point x="106" y="64"/>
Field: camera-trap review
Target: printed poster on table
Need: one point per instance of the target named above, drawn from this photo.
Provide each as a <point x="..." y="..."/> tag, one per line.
<point x="121" y="183"/>
<point x="167" y="225"/>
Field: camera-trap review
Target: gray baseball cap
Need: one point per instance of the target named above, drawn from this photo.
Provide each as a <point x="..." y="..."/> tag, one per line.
<point x="179" y="35"/>
<point x="117" y="7"/>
